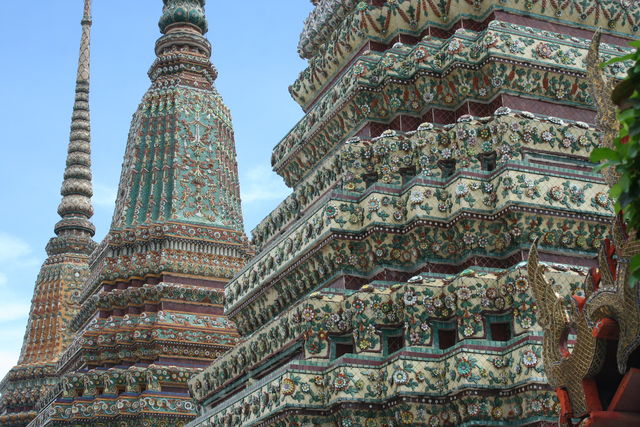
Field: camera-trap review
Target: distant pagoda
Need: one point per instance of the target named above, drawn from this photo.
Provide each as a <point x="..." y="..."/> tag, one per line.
<point x="440" y="139"/>
<point x="66" y="268"/>
<point x="151" y="311"/>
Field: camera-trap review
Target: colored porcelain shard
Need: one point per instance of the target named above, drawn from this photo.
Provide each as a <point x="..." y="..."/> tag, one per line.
<point x="440" y="139"/>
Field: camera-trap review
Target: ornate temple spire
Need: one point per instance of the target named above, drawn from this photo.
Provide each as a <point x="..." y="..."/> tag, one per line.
<point x="76" y="209"/>
<point x="183" y="24"/>
<point x="65" y="270"/>
<point x="177" y="233"/>
<point x="180" y="163"/>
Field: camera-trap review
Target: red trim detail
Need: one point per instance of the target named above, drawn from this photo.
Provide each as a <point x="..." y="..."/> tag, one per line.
<point x="566" y="412"/>
<point x="626" y="398"/>
<point x="596" y="276"/>
<point x="606" y="329"/>
<point x="591" y="395"/>
<point x="579" y="301"/>
<point x="613" y="419"/>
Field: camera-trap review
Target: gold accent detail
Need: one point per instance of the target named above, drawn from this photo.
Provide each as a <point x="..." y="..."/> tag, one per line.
<point x="614" y="298"/>
<point x="601" y="89"/>
<point x="586" y="360"/>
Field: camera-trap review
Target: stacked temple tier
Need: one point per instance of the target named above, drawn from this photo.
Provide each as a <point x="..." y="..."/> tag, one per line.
<point x="440" y="140"/>
<point x="63" y="273"/>
<point x="150" y="313"/>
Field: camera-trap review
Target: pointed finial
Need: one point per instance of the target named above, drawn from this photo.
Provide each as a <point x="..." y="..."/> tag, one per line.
<point x="183" y="13"/>
<point x="183" y="25"/>
<point x="76" y="209"/>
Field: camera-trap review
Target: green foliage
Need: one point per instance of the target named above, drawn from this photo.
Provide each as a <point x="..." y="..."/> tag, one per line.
<point x="625" y="155"/>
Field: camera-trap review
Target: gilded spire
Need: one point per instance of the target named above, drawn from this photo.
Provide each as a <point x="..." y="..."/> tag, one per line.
<point x="75" y="208"/>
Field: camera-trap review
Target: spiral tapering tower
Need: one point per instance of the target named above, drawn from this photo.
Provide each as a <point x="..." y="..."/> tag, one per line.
<point x="151" y="312"/>
<point x="66" y="268"/>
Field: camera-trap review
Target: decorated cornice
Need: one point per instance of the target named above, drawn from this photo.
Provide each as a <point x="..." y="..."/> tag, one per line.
<point x="124" y="393"/>
<point x="180" y="247"/>
<point x="147" y="294"/>
<point x="169" y="70"/>
<point x="332" y="40"/>
<point x="393" y="206"/>
<point x="21" y="388"/>
<point x="439" y="55"/>
<point x="441" y="76"/>
<point x="543" y="133"/>
<point x="322" y="21"/>
<point x="417" y="307"/>
<point x="447" y="245"/>
<point x="349" y="388"/>
<point x="69" y="247"/>
<point x="178" y="230"/>
<point x="511" y="135"/>
<point x="532" y="403"/>
<point x="145" y="336"/>
<point x="147" y="261"/>
<point x="303" y="198"/>
<point x="133" y="338"/>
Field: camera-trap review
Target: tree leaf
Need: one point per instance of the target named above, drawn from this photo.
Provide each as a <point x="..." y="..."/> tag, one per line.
<point x="615" y="192"/>
<point x="619" y="59"/>
<point x="603" y="153"/>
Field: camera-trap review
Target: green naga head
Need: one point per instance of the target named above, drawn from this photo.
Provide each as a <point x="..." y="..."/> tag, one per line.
<point x="183" y="12"/>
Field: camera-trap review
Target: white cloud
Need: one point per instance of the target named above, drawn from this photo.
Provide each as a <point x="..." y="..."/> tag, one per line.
<point x="12" y="332"/>
<point x="104" y="195"/>
<point x="17" y="264"/>
<point x="12" y="247"/>
<point x="8" y="359"/>
<point x="11" y="312"/>
<point x="262" y="184"/>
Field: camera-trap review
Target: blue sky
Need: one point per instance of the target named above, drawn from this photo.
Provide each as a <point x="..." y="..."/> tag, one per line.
<point x="254" y="50"/>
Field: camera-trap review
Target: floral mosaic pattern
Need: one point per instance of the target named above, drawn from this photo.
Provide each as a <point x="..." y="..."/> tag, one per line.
<point x="415" y="307"/>
<point x="184" y="126"/>
<point x="118" y="340"/>
<point x="417" y="210"/>
<point x="460" y="412"/>
<point x="499" y="39"/>
<point x="149" y="294"/>
<point x="394" y="92"/>
<point x="154" y="292"/>
<point x="481" y="188"/>
<point x="329" y="41"/>
<point x="509" y="134"/>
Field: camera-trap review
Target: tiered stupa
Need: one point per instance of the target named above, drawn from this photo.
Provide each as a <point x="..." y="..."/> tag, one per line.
<point x="440" y="139"/>
<point x="151" y="311"/>
<point x="55" y="298"/>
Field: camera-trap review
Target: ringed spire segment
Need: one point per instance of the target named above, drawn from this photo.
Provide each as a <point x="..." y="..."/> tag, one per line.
<point x="76" y="208"/>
